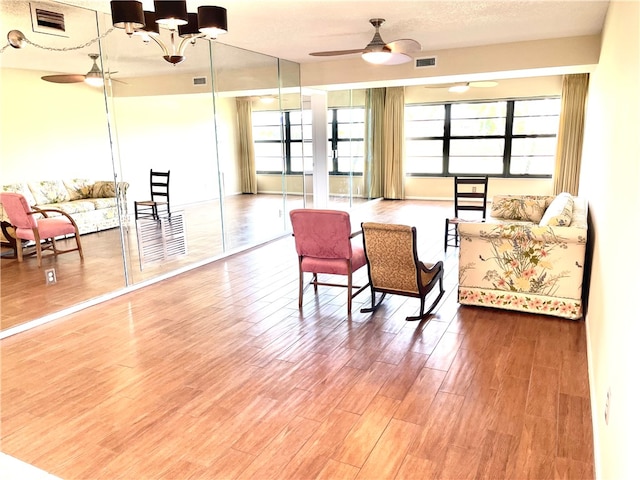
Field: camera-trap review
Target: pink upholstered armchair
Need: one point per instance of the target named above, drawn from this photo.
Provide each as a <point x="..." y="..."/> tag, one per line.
<point x="29" y="227"/>
<point x="323" y="243"/>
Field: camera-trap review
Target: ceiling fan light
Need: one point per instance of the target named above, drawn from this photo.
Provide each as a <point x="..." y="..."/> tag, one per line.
<point x="127" y="14"/>
<point x="171" y="14"/>
<point x="212" y="21"/>
<point x="459" y="88"/>
<point x="94" y="79"/>
<point x="376" y="57"/>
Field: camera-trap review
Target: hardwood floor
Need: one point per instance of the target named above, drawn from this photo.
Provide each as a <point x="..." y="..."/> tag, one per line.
<point x="216" y="374"/>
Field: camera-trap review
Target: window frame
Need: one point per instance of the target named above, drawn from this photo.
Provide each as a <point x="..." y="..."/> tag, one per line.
<point x="508" y="137"/>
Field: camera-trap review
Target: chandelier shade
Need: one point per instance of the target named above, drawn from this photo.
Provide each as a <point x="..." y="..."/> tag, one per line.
<point x="209" y="22"/>
<point x="127" y="14"/>
<point x="212" y="21"/>
<point x="171" y="14"/>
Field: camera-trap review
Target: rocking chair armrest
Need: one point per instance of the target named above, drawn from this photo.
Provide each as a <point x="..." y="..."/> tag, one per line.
<point x="355" y="234"/>
<point x="43" y="211"/>
<point x="436" y="266"/>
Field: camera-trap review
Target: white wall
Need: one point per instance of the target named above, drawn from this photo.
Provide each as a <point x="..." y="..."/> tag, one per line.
<point x="610" y="180"/>
<point x="38" y="119"/>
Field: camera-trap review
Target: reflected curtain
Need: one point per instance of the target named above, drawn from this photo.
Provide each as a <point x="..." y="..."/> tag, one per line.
<point x="247" y="158"/>
<point x="374" y="142"/>
<point x="394" y="143"/>
<point x="566" y="177"/>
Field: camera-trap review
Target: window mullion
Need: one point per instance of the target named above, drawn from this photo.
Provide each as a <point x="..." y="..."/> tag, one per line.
<point x="446" y="141"/>
<point x="508" y="136"/>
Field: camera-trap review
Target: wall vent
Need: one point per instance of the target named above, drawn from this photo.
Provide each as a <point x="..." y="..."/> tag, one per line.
<point x="54" y="20"/>
<point x="48" y="19"/>
<point x="198" y="81"/>
<point x="425" y="62"/>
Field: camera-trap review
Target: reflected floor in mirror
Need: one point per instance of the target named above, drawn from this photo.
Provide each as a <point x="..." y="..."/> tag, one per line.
<point x="249" y="220"/>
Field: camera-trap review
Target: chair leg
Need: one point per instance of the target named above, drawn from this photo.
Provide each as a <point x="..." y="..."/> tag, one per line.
<point x="79" y="245"/>
<point x="300" y="288"/>
<point x="39" y="252"/>
<point x="349" y="288"/>
<point x="374" y="305"/>
<point x="446" y="234"/>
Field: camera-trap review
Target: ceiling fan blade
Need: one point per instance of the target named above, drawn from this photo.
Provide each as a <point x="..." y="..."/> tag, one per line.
<point x="63" y="78"/>
<point x="404" y="45"/>
<point x="397" y="58"/>
<point x="443" y="85"/>
<point x="483" y="84"/>
<point x="332" y="53"/>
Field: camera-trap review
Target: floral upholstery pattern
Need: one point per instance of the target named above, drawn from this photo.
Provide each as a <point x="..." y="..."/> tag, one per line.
<point x="81" y="199"/>
<point x="529" y="208"/>
<point x="526" y="267"/>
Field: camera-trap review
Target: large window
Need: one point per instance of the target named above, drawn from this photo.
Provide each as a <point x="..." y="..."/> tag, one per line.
<point x="282" y="141"/>
<point x="503" y="138"/>
<point x="346" y="141"/>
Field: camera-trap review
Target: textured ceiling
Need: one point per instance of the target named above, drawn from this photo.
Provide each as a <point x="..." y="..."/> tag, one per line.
<point x="292" y="29"/>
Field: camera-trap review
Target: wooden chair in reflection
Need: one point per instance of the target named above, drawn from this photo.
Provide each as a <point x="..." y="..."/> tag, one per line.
<point x="36" y="225"/>
<point x="394" y="267"/>
<point x="159" y="203"/>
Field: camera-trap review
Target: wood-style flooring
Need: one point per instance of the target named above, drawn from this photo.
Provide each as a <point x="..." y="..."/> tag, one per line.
<point x="216" y="374"/>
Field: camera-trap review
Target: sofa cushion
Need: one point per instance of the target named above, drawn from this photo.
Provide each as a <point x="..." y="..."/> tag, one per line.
<point x="49" y="191"/>
<point x="21" y="188"/>
<point x="103" y="189"/>
<point x="560" y="212"/>
<point x="78" y="188"/>
<point x="529" y="208"/>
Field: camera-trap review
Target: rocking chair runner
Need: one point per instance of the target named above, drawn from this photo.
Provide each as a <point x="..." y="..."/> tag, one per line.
<point x="394" y="267"/>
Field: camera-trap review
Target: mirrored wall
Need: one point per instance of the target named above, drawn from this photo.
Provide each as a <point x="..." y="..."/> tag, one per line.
<point x="189" y="120"/>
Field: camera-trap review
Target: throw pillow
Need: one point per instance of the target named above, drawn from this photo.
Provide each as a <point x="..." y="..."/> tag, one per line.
<point x="78" y="188"/>
<point x="49" y="191"/>
<point x="528" y="208"/>
<point x="103" y="189"/>
<point x="560" y="212"/>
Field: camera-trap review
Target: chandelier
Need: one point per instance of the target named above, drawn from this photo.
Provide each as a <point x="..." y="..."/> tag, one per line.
<point x="209" y="22"/>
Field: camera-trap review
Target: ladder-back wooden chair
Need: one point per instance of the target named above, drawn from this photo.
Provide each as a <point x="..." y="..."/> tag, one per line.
<point x="159" y="203"/>
<point x="470" y="195"/>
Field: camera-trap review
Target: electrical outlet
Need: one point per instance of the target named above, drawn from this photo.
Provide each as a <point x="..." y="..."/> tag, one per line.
<point x="50" y="276"/>
<point x="607" y="406"/>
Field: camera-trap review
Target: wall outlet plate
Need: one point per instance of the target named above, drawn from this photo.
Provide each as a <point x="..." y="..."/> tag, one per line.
<point x="50" y="276"/>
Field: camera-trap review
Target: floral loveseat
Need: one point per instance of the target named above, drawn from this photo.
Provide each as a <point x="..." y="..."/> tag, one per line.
<point x="91" y="204"/>
<point x="528" y="256"/>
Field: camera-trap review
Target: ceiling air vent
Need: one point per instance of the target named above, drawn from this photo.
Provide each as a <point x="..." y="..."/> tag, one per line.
<point x="425" y="62"/>
<point x="197" y="81"/>
<point x="47" y="19"/>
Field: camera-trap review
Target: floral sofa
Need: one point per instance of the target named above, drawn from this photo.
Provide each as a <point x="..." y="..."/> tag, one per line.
<point x="92" y="204"/>
<point x="528" y="255"/>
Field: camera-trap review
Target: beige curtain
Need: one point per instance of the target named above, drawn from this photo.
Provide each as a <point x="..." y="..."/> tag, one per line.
<point x="374" y="142"/>
<point x="247" y="158"/>
<point x="566" y="177"/>
<point x="394" y="143"/>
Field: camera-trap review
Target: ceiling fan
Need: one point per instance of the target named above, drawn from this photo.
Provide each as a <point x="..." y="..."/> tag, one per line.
<point x="460" y="87"/>
<point x="93" y="77"/>
<point x="379" y="52"/>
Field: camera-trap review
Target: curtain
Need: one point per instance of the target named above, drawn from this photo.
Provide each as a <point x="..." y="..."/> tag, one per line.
<point x="394" y="143"/>
<point x="247" y="158"/>
<point x="374" y="142"/>
<point x="566" y="177"/>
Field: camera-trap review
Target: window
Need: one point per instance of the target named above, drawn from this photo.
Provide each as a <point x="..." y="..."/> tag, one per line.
<point x="504" y="138"/>
<point x="282" y="146"/>
<point x="346" y="141"/>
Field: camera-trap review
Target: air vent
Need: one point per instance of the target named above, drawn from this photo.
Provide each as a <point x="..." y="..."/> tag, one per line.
<point x="47" y="19"/>
<point x="197" y="81"/>
<point x="425" y="62"/>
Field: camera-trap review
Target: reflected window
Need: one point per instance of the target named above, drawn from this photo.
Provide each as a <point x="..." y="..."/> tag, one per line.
<point x="282" y="141"/>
